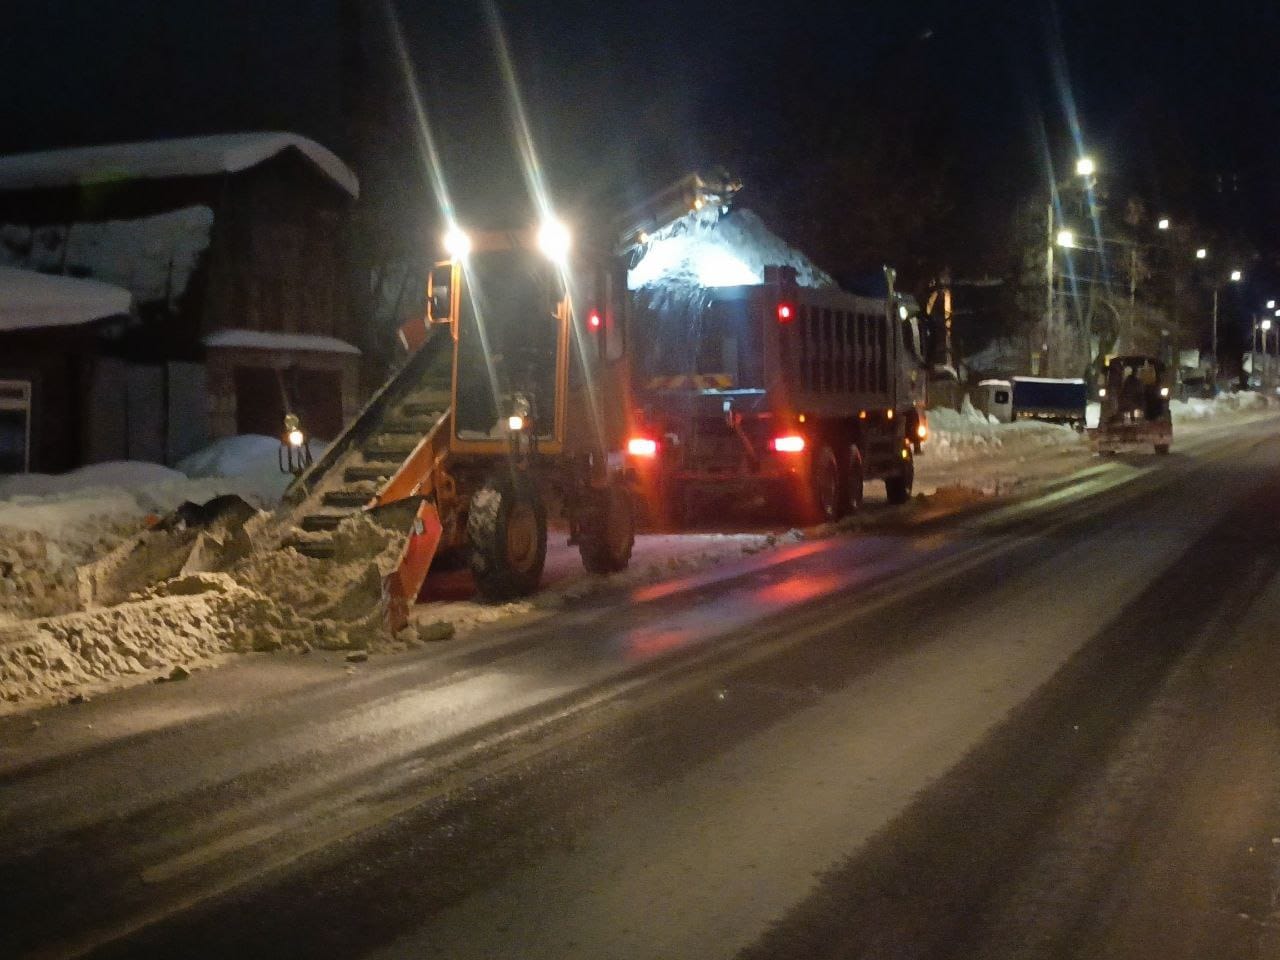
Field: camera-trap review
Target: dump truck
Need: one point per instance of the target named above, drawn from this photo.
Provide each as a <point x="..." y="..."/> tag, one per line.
<point x="511" y="407"/>
<point x="768" y="388"/>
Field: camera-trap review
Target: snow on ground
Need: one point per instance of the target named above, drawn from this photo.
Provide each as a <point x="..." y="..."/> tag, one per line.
<point x="221" y="601"/>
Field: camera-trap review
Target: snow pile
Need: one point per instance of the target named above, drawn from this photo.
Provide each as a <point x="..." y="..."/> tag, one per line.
<point x="248" y="464"/>
<point x="152" y="257"/>
<point x="967" y="433"/>
<point x="724" y="251"/>
<point x="53" y="527"/>
<point x="1223" y="404"/>
<point x="84" y="651"/>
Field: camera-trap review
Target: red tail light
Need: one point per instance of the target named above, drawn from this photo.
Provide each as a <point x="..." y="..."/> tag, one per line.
<point x="593" y="320"/>
<point x="642" y="447"/>
<point x="786" y="313"/>
<point x="790" y="443"/>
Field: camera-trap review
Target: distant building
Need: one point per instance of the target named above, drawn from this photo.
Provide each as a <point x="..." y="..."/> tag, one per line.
<point x="232" y="249"/>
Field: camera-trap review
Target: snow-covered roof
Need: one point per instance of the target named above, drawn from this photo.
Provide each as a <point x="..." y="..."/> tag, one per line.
<point x="152" y="257"/>
<point x="30" y="300"/>
<point x="265" y="340"/>
<point x="152" y="160"/>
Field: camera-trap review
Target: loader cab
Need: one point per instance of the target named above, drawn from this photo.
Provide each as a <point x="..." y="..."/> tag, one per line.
<point x="534" y="331"/>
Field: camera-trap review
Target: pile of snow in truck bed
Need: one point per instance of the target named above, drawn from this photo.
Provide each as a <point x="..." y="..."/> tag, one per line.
<point x="731" y="250"/>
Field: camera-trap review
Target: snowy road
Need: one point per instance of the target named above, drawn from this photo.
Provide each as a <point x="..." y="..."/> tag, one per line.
<point x="1045" y="729"/>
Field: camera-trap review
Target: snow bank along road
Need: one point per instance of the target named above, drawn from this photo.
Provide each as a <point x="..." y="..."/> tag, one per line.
<point x="1046" y="729"/>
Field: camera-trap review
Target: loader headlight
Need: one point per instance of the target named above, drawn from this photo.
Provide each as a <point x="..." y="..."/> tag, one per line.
<point x="554" y="241"/>
<point x="1164" y="391"/>
<point x="456" y="243"/>
<point x="515" y="423"/>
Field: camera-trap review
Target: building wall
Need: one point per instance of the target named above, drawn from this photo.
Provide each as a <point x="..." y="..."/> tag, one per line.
<point x="229" y="393"/>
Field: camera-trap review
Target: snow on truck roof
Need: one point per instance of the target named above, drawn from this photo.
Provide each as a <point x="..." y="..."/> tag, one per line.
<point x="157" y="159"/>
<point x="30" y="300"/>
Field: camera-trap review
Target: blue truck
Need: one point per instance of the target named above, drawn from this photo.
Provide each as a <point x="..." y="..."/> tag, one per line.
<point x="1049" y="399"/>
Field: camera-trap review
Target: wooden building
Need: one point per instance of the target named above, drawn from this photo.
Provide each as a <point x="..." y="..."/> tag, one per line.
<point x="233" y="249"/>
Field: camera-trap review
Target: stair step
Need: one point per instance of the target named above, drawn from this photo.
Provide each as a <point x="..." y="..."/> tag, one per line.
<point x="322" y="521"/>
<point x="415" y="426"/>
<point x="345" y="497"/>
<point x="425" y="409"/>
<point x="384" y="448"/>
<point x="369" y="471"/>
<point x="317" y="549"/>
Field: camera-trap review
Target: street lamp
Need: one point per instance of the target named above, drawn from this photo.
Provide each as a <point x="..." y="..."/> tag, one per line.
<point x="1085" y="167"/>
<point x="1201" y="253"/>
<point x="1264" y="376"/>
<point x="1235" y="278"/>
<point x="1271" y="304"/>
<point x="1163" y="224"/>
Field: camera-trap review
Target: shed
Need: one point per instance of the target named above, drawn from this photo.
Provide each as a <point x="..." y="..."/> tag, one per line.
<point x="231" y="232"/>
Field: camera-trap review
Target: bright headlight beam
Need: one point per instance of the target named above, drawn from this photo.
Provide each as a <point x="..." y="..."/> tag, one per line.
<point x="554" y="241"/>
<point x="456" y="243"/>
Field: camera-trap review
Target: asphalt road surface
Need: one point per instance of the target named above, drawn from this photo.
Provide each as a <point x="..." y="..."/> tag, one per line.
<point x="1049" y="728"/>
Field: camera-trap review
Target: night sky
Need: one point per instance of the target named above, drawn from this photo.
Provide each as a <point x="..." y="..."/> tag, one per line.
<point x="623" y="98"/>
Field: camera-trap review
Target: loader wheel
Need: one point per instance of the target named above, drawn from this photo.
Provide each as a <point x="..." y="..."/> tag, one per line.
<point x="898" y="489"/>
<point x="608" y="531"/>
<point x="507" y="528"/>
<point x="855" y="478"/>
<point x="829" y="498"/>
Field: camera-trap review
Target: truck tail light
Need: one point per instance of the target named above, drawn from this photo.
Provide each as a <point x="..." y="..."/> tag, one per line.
<point x="789" y="443"/>
<point x="642" y="447"/>
<point x="786" y="313"/>
<point x="594" y="322"/>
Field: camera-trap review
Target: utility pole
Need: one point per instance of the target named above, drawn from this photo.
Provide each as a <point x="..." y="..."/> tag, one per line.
<point x="1213" y="348"/>
<point x="1048" y="269"/>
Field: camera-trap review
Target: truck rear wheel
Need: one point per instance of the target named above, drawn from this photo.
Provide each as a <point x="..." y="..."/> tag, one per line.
<point x="855" y="477"/>
<point x="608" y="530"/>
<point x="829" y="500"/>
<point x="898" y="489"/>
<point x="507" y="527"/>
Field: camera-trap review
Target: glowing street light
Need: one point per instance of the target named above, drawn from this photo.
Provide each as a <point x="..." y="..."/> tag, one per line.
<point x="1266" y="325"/>
<point x="1271" y="304"/>
<point x="1163" y="224"/>
<point x="1201" y="253"/>
<point x="1066" y="238"/>
<point x="1235" y="276"/>
<point x="1085" y="167"/>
